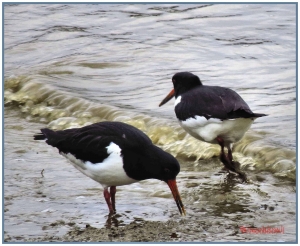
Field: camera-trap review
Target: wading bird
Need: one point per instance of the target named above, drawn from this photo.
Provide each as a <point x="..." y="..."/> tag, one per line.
<point x="212" y="114"/>
<point x="113" y="154"/>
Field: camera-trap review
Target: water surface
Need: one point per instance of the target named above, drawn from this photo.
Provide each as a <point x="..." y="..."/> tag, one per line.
<point x="69" y="65"/>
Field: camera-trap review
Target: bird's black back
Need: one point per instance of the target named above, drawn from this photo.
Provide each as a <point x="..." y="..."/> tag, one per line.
<point x="208" y="101"/>
<point x="213" y="102"/>
<point x="89" y="143"/>
<point x="141" y="158"/>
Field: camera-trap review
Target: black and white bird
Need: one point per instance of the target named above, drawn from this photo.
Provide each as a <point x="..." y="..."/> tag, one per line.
<point x="212" y="114"/>
<point x="114" y="154"/>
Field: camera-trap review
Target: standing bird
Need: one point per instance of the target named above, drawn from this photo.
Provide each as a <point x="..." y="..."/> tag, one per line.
<point x="115" y="153"/>
<point x="212" y="114"/>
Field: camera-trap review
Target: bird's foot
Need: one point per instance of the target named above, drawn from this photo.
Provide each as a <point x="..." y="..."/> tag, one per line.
<point x="112" y="220"/>
<point x="112" y="212"/>
<point x="229" y="164"/>
<point x="233" y="166"/>
<point x="236" y="166"/>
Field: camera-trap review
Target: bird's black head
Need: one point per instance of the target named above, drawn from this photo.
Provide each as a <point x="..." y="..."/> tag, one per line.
<point x="154" y="163"/>
<point x="150" y="163"/>
<point x="167" y="167"/>
<point x="185" y="81"/>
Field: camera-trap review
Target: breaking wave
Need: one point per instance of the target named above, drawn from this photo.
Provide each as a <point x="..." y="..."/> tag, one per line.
<point x="60" y="110"/>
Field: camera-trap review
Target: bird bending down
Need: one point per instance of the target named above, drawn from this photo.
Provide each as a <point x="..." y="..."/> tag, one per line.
<point x="212" y="114"/>
<point x="113" y="154"/>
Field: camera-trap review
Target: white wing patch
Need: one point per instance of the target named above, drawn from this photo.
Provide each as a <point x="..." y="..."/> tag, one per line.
<point x="177" y="100"/>
<point x="110" y="172"/>
<point x="113" y="149"/>
<point x="199" y="121"/>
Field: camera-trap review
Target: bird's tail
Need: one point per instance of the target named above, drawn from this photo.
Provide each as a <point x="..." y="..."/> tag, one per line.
<point x="259" y="115"/>
<point x="39" y="136"/>
<point x="44" y="134"/>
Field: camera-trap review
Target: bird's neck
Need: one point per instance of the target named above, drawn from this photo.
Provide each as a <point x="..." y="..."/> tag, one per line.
<point x="150" y="163"/>
<point x="179" y="90"/>
<point x="140" y="165"/>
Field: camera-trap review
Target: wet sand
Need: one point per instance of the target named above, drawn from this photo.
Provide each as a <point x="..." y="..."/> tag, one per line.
<point x="147" y="231"/>
<point x="137" y="231"/>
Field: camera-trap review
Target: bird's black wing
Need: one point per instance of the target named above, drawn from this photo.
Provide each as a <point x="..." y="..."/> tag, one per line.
<point x="90" y="143"/>
<point x="213" y="102"/>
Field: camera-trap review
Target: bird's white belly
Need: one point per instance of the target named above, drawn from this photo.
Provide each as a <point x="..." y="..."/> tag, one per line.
<point x="108" y="173"/>
<point x="231" y="130"/>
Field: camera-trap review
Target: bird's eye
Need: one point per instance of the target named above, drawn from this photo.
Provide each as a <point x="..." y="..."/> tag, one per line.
<point x="167" y="170"/>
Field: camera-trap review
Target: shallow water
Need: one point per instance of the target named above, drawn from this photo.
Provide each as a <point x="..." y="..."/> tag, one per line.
<point x="76" y="64"/>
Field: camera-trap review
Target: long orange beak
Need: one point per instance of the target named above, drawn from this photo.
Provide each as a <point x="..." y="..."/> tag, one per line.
<point x="173" y="186"/>
<point x="167" y="98"/>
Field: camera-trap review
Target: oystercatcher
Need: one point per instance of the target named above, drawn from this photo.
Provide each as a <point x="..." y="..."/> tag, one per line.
<point x="113" y="154"/>
<point x="213" y="114"/>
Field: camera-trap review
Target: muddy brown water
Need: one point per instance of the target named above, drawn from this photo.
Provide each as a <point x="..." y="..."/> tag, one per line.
<point x="71" y="65"/>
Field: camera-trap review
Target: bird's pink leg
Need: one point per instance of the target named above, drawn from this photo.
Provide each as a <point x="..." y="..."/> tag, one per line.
<point x="107" y="199"/>
<point x="229" y="153"/>
<point x="223" y="157"/>
<point x="228" y="162"/>
<point x="113" y="191"/>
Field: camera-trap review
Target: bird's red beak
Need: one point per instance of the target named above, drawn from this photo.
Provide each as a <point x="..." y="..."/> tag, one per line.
<point x="167" y="98"/>
<point x="173" y="186"/>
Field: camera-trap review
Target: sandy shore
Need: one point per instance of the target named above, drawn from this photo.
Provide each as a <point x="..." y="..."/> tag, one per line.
<point x="137" y="231"/>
